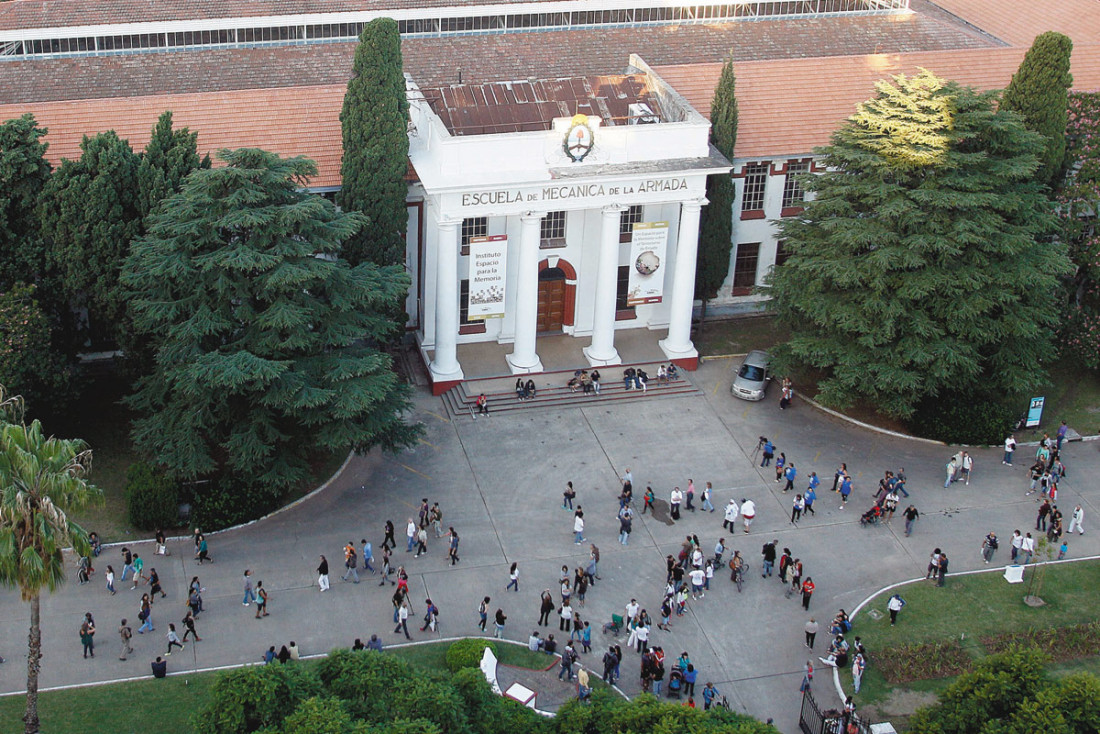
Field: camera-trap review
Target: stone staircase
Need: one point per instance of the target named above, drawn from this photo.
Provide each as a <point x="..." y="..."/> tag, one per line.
<point x="551" y="391"/>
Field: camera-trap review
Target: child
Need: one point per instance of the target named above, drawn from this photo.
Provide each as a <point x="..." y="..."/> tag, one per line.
<point x="1063" y="550"/>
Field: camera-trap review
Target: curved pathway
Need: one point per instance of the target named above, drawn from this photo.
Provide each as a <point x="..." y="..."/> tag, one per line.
<point x="499" y="482"/>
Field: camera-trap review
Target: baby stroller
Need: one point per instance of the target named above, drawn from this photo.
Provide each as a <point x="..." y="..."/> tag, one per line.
<point x="871" y="517"/>
<point x="615" y="625"/>
<point x="675" y="683"/>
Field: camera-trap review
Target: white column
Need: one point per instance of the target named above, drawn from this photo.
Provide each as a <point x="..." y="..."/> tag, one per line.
<point x="523" y="357"/>
<point x="602" y="350"/>
<point x="678" y="343"/>
<point x="445" y="366"/>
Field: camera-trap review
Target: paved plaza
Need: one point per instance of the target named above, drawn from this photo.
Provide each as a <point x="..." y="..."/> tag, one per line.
<point x="499" y="481"/>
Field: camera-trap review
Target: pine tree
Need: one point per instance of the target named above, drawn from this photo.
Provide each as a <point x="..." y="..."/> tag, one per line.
<point x="89" y="215"/>
<point x="23" y="174"/>
<point x="263" y="337"/>
<point x="716" y="231"/>
<point x="1039" y="91"/>
<point x="924" y="261"/>
<point x="376" y="147"/>
<point x="169" y="157"/>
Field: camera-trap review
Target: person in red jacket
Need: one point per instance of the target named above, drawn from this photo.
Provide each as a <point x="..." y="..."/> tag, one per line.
<point x="807" y="592"/>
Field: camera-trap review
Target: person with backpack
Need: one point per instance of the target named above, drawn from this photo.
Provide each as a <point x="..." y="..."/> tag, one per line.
<point x="568" y="657"/>
<point x="431" y="616"/>
<point x="989" y="546"/>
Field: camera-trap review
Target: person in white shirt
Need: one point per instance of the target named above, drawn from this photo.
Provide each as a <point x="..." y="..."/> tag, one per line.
<point x="578" y="528"/>
<point x="1010" y="447"/>
<point x="410" y="534"/>
<point x="632" y="609"/>
<point x="674" y="500"/>
<point x="1027" y="550"/>
<point x="894" y="606"/>
<point x="730" y="516"/>
<point x="967" y="467"/>
<point x="698" y="578"/>
<point x="748" y="513"/>
<point x="1017" y="543"/>
<point x="1078" y="520"/>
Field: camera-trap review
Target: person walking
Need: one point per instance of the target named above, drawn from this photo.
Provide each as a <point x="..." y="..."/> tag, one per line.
<point x="388" y="542"/>
<point x="1077" y="520"/>
<point x="482" y="613"/>
<point x="910" y="516"/>
<point x="578" y="527"/>
<point x="322" y="574"/>
<point x="689" y="496"/>
<point x="452" y="545"/>
<point x="568" y="657"/>
<point x="768" y="555"/>
<point x="403" y="619"/>
<point x="513" y="576"/>
<point x="125" y="634"/>
<point x="625" y="523"/>
<point x="729" y="516"/>
<point x="110" y="578"/>
<point x="807" y="591"/>
<point x="845" y="490"/>
<point x="810" y="495"/>
<point x="87" y="635"/>
<point x="952" y="469"/>
<point x="810" y="628"/>
<point x="797" y="508"/>
<point x="173" y="639"/>
<point x="422" y="541"/>
<point x="708" y="493"/>
<point x="189" y="624"/>
<point x="748" y="513"/>
<point x="431" y="616"/>
<point x="154" y="583"/>
<point x="249" y="597"/>
<point x="1027" y="549"/>
<point x="894" y="606"/>
<point x="989" y="546"/>
<point x="368" y="556"/>
<point x="789" y="474"/>
<point x="145" y="614"/>
<point x="351" y="563"/>
<point x="410" y="535"/>
<point x="203" y="554"/>
<point x="499" y="620"/>
<point x="261" y="600"/>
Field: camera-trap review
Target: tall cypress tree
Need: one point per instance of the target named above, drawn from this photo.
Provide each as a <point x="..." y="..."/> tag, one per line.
<point x="263" y="349"/>
<point x="1039" y="91"/>
<point x="168" y="158"/>
<point x="374" y="120"/>
<point x="23" y="174"/>
<point x="716" y="231"/>
<point x="89" y="213"/>
<point x="924" y="262"/>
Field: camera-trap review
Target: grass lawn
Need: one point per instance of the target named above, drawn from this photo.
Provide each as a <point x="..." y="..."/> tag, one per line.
<point x="965" y="609"/>
<point x="1072" y="396"/>
<point x="739" y="335"/>
<point x="167" y="705"/>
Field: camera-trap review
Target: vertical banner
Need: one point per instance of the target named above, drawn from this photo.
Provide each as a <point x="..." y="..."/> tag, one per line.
<point x="1035" y="412"/>
<point x="647" y="261"/>
<point x="488" y="267"/>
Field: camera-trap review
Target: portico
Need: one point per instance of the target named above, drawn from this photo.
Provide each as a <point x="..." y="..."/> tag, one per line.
<point x="566" y="206"/>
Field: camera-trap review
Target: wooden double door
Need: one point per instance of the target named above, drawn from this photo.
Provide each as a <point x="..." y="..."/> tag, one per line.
<point x="551" y="300"/>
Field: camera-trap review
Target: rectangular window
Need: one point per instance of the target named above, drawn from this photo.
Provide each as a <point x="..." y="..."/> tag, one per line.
<point x="473" y="227"/>
<point x="793" y="193"/>
<point x="622" y="311"/>
<point x="552" y="230"/>
<point x="781" y="253"/>
<point x="627" y="220"/>
<point x="752" y="195"/>
<point x="744" y="268"/>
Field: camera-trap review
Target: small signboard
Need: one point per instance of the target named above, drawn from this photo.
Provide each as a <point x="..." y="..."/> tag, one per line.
<point x="488" y="267"/>
<point x="1035" y="412"/>
<point x="647" y="259"/>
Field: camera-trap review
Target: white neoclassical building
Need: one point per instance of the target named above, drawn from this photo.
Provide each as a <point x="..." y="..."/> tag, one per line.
<point x="555" y="206"/>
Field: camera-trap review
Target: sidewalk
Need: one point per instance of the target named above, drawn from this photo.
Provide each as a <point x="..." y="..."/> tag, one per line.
<point x="499" y="483"/>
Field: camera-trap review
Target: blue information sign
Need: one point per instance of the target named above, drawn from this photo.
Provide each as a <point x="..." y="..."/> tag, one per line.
<point x="1035" y="412"/>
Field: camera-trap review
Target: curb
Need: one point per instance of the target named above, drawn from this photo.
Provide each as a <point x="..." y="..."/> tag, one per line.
<point x="999" y="569"/>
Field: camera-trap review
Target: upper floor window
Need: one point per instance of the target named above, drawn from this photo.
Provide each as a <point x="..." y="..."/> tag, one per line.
<point x="552" y="230"/>
<point x="627" y="220"/>
<point x="473" y="227"/>
<point x="793" y="193"/>
<point x="756" y="181"/>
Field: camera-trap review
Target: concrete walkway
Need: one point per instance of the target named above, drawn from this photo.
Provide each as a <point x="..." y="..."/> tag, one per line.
<point x="499" y="482"/>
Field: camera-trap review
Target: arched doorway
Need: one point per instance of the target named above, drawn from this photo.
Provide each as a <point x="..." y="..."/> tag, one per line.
<point x="551" y="299"/>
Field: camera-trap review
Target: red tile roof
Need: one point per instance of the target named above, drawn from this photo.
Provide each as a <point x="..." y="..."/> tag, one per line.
<point x="1018" y="21"/>
<point x="501" y="57"/>
<point x="818" y="94"/>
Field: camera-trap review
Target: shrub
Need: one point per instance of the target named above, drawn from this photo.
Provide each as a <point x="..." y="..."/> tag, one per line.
<point x="152" y="500"/>
<point x="225" y="502"/>
<point x="906" y="663"/>
<point x="248" y="699"/>
<point x="467" y="653"/>
<point x="964" y="417"/>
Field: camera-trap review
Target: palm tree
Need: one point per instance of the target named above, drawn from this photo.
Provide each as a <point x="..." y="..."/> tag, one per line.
<point x="41" y="479"/>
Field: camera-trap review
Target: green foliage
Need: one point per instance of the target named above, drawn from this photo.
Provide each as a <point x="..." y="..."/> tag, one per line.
<point x="922" y="661"/>
<point x="494" y="714"/>
<point x="318" y="716"/>
<point x="152" y="500"/>
<point x="467" y="653"/>
<point x="610" y="714"/>
<point x="263" y="345"/>
<point x="1039" y="92"/>
<point x="716" y="230"/>
<point x="30" y="365"/>
<point x="365" y="681"/>
<point x="89" y="214"/>
<point x="375" y="120"/>
<point x="169" y="157"/>
<point x="23" y="174"/>
<point x="1078" y="203"/>
<point x="230" y="500"/>
<point x="250" y="699"/>
<point x="966" y="417"/>
<point x="923" y="261"/>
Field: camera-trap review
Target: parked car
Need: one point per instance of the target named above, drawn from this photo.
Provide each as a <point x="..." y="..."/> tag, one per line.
<point x="751" y="380"/>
